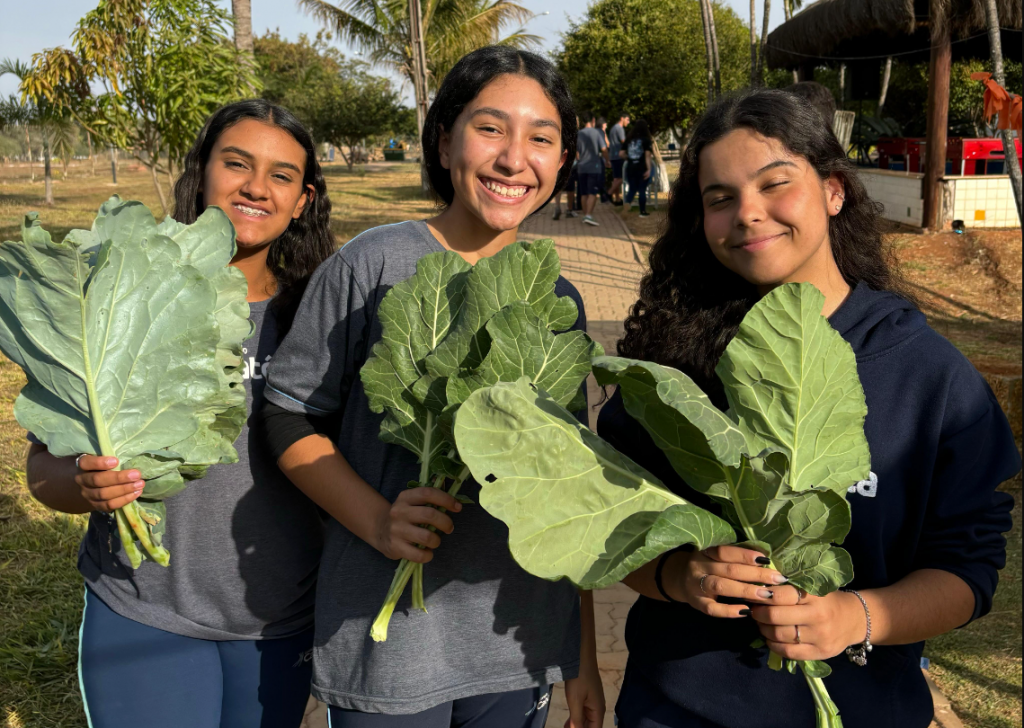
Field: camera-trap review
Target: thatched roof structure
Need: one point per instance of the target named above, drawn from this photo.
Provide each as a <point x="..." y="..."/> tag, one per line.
<point x="835" y="30"/>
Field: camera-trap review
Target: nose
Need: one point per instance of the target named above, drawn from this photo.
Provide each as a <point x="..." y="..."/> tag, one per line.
<point x="512" y="159"/>
<point x="255" y="186"/>
<point x="749" y="210"/>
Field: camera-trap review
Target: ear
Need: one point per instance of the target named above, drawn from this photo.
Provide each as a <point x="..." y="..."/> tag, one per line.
<point x="444" y="141"/>
<point x="565" y="156"/>
<point x="835" y="194"/>
<point x="306" y="199"/>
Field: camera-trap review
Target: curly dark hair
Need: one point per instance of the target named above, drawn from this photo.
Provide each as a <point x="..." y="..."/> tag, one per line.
<point x="690" y="304"/>
<point x="467" y="79"/>
<point x="308" y="240"/>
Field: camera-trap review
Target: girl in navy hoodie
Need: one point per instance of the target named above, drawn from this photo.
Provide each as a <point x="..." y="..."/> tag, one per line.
<point x="766" y="196"/>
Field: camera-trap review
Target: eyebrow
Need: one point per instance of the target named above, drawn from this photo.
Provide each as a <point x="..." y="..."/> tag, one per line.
<point x="248" y="155"/>
<point x="755" y="175"/>
<point x="504" y="116"/>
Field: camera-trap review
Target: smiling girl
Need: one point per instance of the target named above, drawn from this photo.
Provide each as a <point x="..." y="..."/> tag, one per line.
<point x="766" y="196"/>
<point x="496" y="141"/>
<point x="221" y="637"/>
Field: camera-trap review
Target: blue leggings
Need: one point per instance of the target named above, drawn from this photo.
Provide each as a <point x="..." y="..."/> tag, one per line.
<point x="637" y="184"/>
<point x="133" y="675"/>
<point x="517" y="709"/>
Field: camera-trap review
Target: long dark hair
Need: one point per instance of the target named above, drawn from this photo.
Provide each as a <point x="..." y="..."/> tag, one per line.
<point x="308" y="240"/>
<point x="462" y="84"/>
<point x="690" y="304"/>
<point x="639" y="130"/>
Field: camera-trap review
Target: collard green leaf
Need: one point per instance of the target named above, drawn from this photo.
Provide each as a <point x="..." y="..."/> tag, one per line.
<point x="576" y="508"/>
<point x="817" y="568"/>
<point x="520" y="272"/>
<point x="128" y="347"/>
<point x="701" y="443"/>
<point x="792" y="386"/>
<point x="415" y="316"/>
<point x="523" y="345"/>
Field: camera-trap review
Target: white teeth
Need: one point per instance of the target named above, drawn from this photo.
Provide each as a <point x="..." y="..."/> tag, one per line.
<point x="504" y="191"/>
<point x="245" y="210"/>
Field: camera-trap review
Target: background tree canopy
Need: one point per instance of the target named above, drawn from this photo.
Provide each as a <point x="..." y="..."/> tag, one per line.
<point x="337" y="98"/>
<point x="648" y="59"/>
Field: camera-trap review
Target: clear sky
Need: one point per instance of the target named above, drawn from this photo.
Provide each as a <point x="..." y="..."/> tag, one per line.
<point x="32" y="25"/>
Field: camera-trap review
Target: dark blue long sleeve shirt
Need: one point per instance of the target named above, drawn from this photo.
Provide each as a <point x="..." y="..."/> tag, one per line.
<point x="940" y="446"/>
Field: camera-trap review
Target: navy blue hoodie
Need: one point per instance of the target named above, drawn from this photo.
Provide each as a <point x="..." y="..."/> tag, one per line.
<point x="940" y="445"/>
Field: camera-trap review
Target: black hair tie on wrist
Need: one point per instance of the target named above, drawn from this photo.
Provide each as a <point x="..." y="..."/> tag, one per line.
<point x="657" y="577"/>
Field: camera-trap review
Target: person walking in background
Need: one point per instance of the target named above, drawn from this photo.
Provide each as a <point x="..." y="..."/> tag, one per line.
<point x="616" y="138"/>
<point x="639" y="151"/>
<point x="592" y="153"/>
<point x="602" y="126"/>
<point x="571" y="198"/>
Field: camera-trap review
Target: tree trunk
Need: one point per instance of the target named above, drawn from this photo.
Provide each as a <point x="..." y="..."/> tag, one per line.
<point x="885" y="86"/>
<point x="714" y="48"/>
<point x="787" y="9"/>
<point x="842" y="85"/>
<point x="753" y="42"/>
<point x="47" y="171"/>
<point x="419" y="71"/>
<point x="938" y="114"/>
<point x="1009" y="147"/>
<point x="92" y="159"/>
<point x="28" y="145"/>
<point x="241" y="10"/>
<point x="764" y="41"/>
<point x="156" y="184"/>
<point x="708" y="50"/>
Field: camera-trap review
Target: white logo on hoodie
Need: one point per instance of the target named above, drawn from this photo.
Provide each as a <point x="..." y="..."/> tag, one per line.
<point x="867" y="488"/>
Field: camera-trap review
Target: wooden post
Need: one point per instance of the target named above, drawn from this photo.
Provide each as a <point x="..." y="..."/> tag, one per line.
<point x="938" y="115"/>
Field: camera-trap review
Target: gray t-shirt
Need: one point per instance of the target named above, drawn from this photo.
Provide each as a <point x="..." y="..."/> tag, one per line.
<point x="490" y="626"/>
<point x="589" y="143"/>
<point x="245" y="543"/>
<point x="616" y="136"/>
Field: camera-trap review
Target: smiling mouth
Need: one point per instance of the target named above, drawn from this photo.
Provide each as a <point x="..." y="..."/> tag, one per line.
<point x="250" y="211"/>
<point x="758" y="243"/>
<point x="508" y="192"/>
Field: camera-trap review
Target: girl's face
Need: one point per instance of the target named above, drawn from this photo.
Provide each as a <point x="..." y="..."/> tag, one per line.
<point x="766" y="210"/>
<point x="504" y="152"/>
<point x="254" y="174"/>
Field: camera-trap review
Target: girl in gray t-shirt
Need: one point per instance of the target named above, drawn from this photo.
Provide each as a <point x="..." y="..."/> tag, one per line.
<point x="497" y="141"/>
<point x="220" y="638"/>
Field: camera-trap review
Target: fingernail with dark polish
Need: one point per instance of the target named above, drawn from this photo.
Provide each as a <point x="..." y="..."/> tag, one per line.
<point x="763" y="560"/>
<point x="744" y="612"/>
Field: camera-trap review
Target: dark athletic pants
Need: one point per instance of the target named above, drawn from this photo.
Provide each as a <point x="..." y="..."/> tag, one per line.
<point x="518" y="709"/>
<point x="637" y="184"/>
<point x="132" y="675"/>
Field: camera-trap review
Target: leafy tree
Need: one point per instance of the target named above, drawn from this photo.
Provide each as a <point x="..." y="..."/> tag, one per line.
<point x="338" y="99"/>
<point x="164" y="67"/>
<point x="649" y="59"/>
<point x="451" y="29"/>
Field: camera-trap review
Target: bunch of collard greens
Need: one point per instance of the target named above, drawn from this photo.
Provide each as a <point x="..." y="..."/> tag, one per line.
<point x="130" y="335"/>
<point x="452" y="329"/>
<point x="779" y="462"/>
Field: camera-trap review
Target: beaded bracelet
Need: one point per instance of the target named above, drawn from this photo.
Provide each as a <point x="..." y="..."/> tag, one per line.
<point x="858" y="654"/>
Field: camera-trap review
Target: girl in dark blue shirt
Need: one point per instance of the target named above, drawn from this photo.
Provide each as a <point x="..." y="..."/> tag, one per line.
<point x="766" y="196"/>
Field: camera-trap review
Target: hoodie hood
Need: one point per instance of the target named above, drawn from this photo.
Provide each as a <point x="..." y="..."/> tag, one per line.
<point x="874" y="322"/>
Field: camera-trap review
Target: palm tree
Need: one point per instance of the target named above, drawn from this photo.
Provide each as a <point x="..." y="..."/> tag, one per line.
<point x="55" y="129"/>
<point x="241" y="11"/>
<point x="380" y="29"/>
<point x="999" y="74"/>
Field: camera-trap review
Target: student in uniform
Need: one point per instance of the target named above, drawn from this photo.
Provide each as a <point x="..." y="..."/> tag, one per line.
<point x="767" y="196"/>
<point x="498" y="141"/>
<point x="221" y="638"/>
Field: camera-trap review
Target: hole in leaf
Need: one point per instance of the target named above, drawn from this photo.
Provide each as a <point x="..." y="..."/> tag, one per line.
<point x="490" y="478"/>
